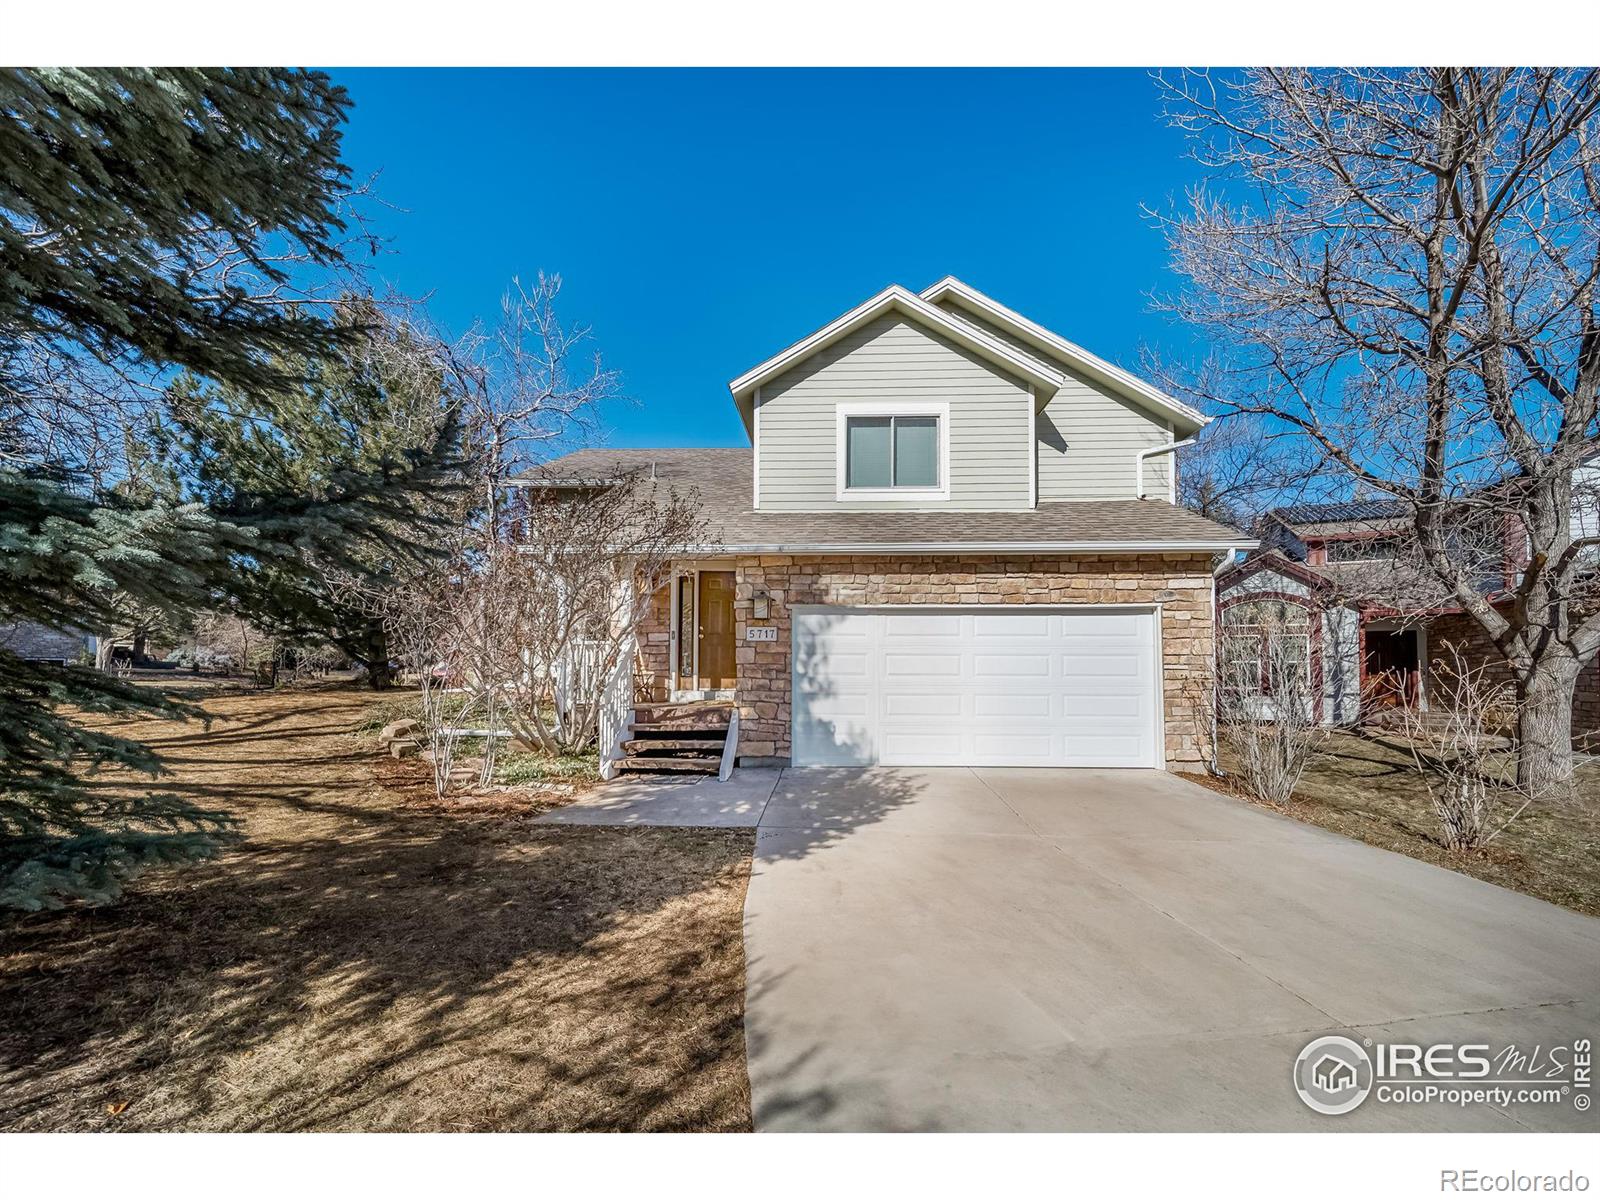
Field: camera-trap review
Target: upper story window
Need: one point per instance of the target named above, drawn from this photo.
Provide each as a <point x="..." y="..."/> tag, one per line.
<point x="1362" y="549"/>
<point x="883" y="452"/>
<point x="893" y="452"/>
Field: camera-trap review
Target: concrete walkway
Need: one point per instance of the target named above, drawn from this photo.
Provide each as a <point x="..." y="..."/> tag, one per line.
<point x="1022" y="949"/>
<point x="667" y="801"/>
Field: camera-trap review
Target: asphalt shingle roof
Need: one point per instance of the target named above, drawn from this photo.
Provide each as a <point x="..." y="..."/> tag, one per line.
<point x="1342" y="510"/>
<point x="722" y="477"/>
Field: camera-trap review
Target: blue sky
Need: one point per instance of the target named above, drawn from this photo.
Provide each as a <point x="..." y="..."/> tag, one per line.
<point x="703" y="220"/>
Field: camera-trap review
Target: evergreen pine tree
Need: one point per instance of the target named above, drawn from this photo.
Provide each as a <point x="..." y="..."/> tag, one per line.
<point x="151" y="221"/>
<point x="379" y="413"/>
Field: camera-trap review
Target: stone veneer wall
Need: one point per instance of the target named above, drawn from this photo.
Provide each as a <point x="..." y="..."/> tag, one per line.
<point x="1181" y="584"/>
<point x="652" y="671"/>
<point x="1468" y="637"/>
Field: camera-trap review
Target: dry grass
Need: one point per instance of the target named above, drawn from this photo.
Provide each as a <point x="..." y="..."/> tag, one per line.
<point x="1365" y="786"/>
<point x="369" y="959"/>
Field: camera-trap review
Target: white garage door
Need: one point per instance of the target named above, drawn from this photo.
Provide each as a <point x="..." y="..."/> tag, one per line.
<point x="929" y="686"/>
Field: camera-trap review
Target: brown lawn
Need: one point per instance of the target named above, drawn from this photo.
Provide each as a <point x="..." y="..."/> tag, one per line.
<point x="1366" y="786"/>
<point x="366" y="960"/>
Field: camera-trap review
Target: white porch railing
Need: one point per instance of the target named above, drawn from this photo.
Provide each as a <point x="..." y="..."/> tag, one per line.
<point x="577" y="675"/>
<point x="616" y="711"/>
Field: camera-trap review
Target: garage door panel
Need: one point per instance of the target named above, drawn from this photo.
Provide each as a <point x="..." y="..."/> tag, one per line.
<point x="1087" y="623"/>
<point x="921" y="625"/>
<point x="988" y="666"/>
<point x="922" y="704"/>
<point x="1019" y="625"/>
<point x="1062" y="687"/>
<point x="1102" y="705"/>
<point x="1130" y="664"/>
<point x="908" y="666"/>
<point x="1094" y="751"/>
<point x="1012" y="704"/>
<point x="1014" y="747"/>
<point x="906" y="749"/>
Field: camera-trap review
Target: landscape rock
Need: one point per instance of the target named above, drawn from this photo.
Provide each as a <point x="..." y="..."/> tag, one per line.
<point x="405" y="730"/>
<point x="404" y="748"/>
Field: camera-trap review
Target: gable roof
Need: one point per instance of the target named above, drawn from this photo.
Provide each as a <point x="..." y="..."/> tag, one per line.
<point x="1269" y="558"/>
<point x="720" y="477"/>
<point x="1186" y="420"/>
<point x="1035" y="372"/>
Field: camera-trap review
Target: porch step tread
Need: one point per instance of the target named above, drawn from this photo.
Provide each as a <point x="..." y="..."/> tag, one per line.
<point x="680" y="729"/>
<point x="682" y="712"/>
<point x="704" y="745"/>
<point x="703" y="766"/>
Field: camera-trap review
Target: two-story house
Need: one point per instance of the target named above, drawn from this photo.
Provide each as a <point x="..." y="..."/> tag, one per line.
<point x="1335" y="583"/>
<point x="952" y="540"/>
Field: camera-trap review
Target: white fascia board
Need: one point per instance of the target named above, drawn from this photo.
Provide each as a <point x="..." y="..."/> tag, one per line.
<point x="1036" y="373"/>
<point x="1153" y="547"/>
<point x="1091" y="364"/>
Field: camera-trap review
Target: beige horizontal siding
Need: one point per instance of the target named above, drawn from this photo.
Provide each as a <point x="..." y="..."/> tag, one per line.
<point x="1087" y="436"/>
<point x="891" y="360"/>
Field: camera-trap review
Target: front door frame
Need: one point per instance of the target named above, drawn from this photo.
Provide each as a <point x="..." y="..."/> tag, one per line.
<point x="1386" y="625"/>
<point x="681" y="687"/>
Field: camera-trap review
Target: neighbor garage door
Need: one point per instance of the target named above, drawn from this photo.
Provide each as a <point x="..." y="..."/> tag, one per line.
<point x="926" y="686"/>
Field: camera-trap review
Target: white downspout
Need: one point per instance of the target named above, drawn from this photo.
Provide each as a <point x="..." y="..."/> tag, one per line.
<point x="1224" y="561"/>
<point x="1140" y="455"/>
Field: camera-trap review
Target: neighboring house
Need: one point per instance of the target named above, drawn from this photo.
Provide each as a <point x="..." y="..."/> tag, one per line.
<point x="39" y="643"/>
<point x="951" y="541"/>
<point x="1331" y="582"/>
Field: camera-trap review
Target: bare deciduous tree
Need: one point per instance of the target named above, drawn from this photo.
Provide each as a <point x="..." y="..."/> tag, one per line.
<point x="1399" y="267"/>
<point x="527" y="383"/>
<point x="1232" y="472"/>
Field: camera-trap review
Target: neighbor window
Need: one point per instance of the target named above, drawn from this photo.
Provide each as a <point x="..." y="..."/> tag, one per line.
<point x="1363" y="549"/>
<point x="892" y="452"/>
<point x="1266" y="647"/>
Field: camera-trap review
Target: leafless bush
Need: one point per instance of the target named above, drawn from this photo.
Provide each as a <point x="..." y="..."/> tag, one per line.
<point x="570" y="599"/>
<point x="1455" y="745"/>
<point x="1266" y="708"/>
<point x="435" y="627"/>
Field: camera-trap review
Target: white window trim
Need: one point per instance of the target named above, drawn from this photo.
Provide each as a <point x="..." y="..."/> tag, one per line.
<point x="940" y="410"/>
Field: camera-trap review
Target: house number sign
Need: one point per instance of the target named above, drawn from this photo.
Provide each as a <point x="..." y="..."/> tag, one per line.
<point x="761" y="633"/>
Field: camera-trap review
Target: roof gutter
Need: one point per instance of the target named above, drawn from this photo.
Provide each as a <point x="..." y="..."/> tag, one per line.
<point x="1152" y="547"/>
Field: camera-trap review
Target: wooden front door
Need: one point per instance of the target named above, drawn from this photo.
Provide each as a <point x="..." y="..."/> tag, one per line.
<point x="715" y="631"/>
<point x="1392" y="669"/>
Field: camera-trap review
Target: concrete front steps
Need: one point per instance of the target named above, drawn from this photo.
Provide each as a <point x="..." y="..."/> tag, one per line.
<point x="697" y="737"/>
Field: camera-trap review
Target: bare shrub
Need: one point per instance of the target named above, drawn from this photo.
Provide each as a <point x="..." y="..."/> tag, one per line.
<point x="434" y="627"/>
<point x="1459" y="749"/>
<point x="1266" y="708"/>
<point x="569" y="601"/>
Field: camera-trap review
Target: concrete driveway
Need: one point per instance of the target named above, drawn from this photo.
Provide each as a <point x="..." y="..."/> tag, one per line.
<point x="1017" y="949"/>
